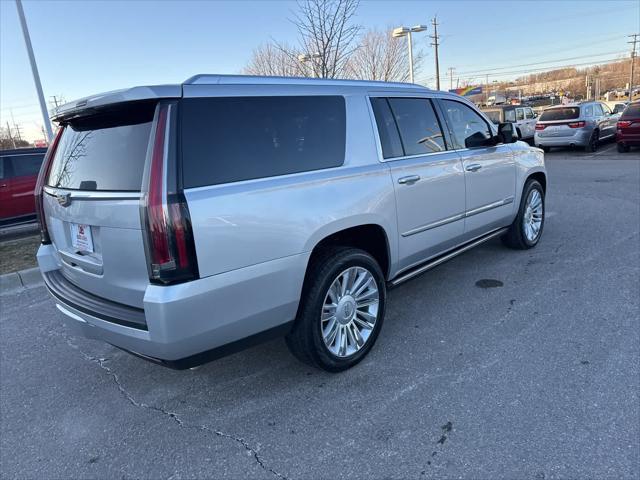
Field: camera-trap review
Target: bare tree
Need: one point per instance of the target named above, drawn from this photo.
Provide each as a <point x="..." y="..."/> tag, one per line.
<point x="327" y="28"/>
<point x="274" y="60"/>
<point x="381" y="56"/>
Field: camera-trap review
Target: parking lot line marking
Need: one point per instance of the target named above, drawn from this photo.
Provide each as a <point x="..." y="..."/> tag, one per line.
<point x="605" y="150"/>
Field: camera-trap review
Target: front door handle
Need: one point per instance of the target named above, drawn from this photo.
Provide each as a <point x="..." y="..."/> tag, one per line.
<point x="474" y="167"/>
<point x="409" y="180"/>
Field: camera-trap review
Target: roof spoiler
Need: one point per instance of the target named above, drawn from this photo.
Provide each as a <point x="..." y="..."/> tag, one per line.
<point x="88" y="105"/>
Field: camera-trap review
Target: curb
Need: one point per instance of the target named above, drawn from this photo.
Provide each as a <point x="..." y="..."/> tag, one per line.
<point x="17" y="281"/>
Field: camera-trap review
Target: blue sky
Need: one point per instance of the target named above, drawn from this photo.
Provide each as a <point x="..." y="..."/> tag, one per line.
<point x="93" y="46"/>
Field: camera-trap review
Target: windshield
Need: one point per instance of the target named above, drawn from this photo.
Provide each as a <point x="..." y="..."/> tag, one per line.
<point x="564" y="113"/>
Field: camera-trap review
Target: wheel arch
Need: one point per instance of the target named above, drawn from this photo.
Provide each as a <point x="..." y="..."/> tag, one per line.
<point x="541" y="177"/>
<point x="372" y="237"/>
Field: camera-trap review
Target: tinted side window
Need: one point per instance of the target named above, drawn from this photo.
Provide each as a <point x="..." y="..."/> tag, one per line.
<point x="597" y="108"/>
<point x="519" y="114"/>
<point x="3" y="172"/>
<point x="528" y="113"/>
<point x="229" y="139"/>
<point x="419" y="127"/>
<point x="26" y="165"/>
<point x="387" y="129"/>
<point x="469" y="128"/>
<point x="588" y="111"/>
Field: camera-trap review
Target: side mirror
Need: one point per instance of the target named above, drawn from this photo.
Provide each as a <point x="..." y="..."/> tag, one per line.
<point x="506" y="133"/>
<point x="477" y="140"/>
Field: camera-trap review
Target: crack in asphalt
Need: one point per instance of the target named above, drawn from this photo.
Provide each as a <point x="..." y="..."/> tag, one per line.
<point x="102" y="363"/>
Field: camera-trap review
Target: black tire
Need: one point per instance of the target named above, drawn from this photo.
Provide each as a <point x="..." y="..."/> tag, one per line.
<point x="544" y="149"/>
<point x="622" y="148"/>
<point x="305" y="340"/>
<point x="515" y="237"/>
<point x="592" y="146"/>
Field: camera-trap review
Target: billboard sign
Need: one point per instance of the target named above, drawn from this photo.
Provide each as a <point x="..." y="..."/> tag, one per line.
<point x="467" y="91"/>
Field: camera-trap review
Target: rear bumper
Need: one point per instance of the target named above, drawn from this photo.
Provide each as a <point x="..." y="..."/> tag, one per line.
<point x="580" y="139"/>
<point x="189" y="323"/>
<point x="628" y="139"/>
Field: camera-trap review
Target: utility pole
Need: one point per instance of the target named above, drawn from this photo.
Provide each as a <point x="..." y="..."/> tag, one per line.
<point x="34" y="70"/>
<point x="486" y="94"/>
<point x="633" y="58"/>
<point x="451" y="70"/>
<point x="55" y="101"/>
<point x="13" y="143"/>
<point x="435" y="44"/>
<point x="17" y="129"/>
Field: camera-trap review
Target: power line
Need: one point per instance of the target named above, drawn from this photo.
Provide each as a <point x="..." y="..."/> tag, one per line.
<point x="617" y="52"/>
<point x="539" y="70"/>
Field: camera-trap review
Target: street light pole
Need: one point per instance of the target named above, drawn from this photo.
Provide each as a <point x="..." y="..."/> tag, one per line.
<point x="306" y="57"/>
<point x="410" y="56"/>
<point x="406" y="32"/>
<point x="34" y="71"/>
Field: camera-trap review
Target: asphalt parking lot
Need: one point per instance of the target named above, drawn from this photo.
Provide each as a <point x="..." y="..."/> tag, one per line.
<point x="537" y="376"/>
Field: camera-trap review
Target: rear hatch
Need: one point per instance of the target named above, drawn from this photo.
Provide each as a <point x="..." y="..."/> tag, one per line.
<point x="559" y="122"/>
<point x="629" y="123"/>
<point x="91" y="201"/>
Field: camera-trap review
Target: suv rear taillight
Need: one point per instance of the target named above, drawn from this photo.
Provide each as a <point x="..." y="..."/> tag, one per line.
<point x="38" y="192"/>
<point x="167" y="224"/>
<point x="540" y="126"/>
<point x="576" y="124"/>
<point x="624" y="123"/>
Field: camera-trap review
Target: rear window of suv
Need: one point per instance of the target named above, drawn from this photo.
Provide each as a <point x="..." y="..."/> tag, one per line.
<point x="564" y="113"/>
<point x="229" y="139"/>
<point x="632" y="111"/>
<point x="105" y="151"/>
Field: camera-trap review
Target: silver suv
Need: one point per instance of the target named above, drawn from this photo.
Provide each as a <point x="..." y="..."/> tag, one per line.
<point x="183" y="222"/>
<point x="579" y="125"/>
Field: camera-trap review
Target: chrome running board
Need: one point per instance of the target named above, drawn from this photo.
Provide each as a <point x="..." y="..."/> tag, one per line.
<point x="415" y="271"/>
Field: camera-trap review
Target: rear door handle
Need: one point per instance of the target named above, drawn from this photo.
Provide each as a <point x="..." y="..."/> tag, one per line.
<point x="409" y="180"/>
<point x="474" y="167"/>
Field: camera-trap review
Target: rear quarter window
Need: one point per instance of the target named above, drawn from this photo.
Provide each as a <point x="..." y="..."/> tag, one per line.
<point x="230" y="139"/>
<point x="494" y="116"/>
<point x="564" y="113"/>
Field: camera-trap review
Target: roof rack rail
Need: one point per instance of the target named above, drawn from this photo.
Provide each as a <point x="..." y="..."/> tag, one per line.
<point x="214" y="79"/>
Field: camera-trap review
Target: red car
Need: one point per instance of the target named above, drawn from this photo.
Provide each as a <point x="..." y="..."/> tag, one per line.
<point x="628" y="129"/>
<point x="18" y="174"/>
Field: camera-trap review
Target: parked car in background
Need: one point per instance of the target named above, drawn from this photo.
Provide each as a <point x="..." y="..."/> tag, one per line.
<point x="205" y="216"/>
<point x="618" y="108"/>
<point x="18" y="173"/>
<point x="628" y="128"/>
<point x="522" y="117"/>
<point x="578" y="125"/>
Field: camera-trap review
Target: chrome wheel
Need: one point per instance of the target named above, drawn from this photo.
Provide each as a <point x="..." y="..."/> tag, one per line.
<point x="533" y="213"/>
<point x="349" y="311"/>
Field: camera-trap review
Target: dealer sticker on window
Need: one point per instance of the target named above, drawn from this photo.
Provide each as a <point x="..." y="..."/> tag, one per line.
<point x="81" y="237"/>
